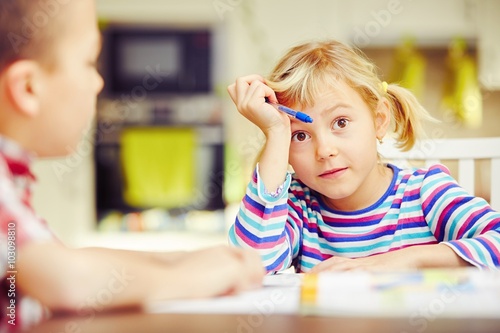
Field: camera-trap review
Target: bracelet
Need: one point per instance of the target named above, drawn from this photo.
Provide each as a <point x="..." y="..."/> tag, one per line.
<point x="276" y="193"/>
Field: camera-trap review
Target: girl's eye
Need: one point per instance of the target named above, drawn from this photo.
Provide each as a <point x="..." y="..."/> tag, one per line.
<point x="300" y="136"/>
<point x="340" y="123"/>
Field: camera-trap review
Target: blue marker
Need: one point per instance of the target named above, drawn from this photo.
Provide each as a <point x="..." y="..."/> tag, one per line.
<point x="291" y="112"/>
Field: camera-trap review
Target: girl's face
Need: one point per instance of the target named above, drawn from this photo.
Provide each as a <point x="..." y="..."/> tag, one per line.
<point x="336" y="155"/>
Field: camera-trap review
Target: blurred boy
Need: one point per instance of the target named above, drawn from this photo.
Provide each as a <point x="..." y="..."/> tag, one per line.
<point x="48" y="89"/>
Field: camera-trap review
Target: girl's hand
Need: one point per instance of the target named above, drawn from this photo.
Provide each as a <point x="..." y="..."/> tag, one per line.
<point x="373" y="263"/>
<point x="248" y="94"/>
<point x="395" y="260"/>
<point x="414" y="257"/>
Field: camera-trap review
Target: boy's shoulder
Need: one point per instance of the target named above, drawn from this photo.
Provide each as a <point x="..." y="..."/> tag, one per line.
<point x="17" y="217"/>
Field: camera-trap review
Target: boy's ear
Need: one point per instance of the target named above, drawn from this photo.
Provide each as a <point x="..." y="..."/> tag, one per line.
<point x="20" y="85"/>
<point x="382" y="118"/>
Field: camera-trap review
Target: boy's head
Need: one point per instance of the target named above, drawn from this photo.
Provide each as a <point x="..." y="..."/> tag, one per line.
<point x="25" y="30"/>
<point x="48" y="78"/>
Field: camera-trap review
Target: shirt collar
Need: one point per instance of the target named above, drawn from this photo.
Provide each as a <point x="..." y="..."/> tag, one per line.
<point x="18" y="159"/>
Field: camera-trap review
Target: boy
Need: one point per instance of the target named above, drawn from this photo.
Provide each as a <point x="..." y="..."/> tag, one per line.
<point x="48" y="89"/>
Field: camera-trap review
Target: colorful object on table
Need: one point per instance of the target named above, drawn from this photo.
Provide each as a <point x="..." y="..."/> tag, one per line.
<point x="402" y="293"/>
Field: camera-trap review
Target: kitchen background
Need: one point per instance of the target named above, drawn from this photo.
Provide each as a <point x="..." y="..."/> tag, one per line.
<point x="409" y="40"/>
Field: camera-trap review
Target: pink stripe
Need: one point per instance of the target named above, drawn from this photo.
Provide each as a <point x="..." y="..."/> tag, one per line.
<point x="465" y="249"/>
<point x="412" y="192"/>
<point x="493" y="247"/>
<point x="254" y="177"/>
<point x="255" y="245"/>
<point x="490" y="226"/>
<point x="313" y="250"/>
<point x="409" y="220"/>
<point x="298" y="221"/>
<point x="375" y="231"/>
<point x="279" y="267"/>
<point x="432" y="195"/>
<point x="372" y="232"/>
<point x="418" y="242"/>
<point x="354" y="220"/>
<point x="466" y="223"/>
<point x="290" y="232"/>
<point x="254" y="210"/>
<point x="276" y="213"/>
<point x="259" y="213"/>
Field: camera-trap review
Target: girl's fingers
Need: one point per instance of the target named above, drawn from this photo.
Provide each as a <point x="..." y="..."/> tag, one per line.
<point x="244" y="87"/>
<point x="242" y="84"/>
<point x="231" y="89"/>
<point x="333" y="264"/>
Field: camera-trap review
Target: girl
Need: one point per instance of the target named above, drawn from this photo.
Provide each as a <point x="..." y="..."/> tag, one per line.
<point x="342" y="209"/>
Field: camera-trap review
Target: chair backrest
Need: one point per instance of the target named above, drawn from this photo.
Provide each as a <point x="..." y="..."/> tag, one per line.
<point x="464" y="151"/>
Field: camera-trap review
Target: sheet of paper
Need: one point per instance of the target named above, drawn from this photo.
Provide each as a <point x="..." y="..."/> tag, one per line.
<point x="280" y="294"/>
<point x="421" y="294"/>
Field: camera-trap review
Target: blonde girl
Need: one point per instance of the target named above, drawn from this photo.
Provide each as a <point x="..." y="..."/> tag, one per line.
<point x="341" y="208"/>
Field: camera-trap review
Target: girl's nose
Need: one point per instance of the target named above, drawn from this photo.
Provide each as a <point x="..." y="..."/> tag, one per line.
<point x="326" y="149"/>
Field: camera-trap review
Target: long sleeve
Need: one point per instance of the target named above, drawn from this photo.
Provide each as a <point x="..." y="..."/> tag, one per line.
<point x="264" y="223"/>
<point x="465" y="223"/>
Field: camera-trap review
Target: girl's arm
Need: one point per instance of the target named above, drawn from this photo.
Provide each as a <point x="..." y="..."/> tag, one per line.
<point x="414" y="257"/>
<point x="268" y="224"/>
<point x="262" y="220"/>
<point x="249" y="94"/>
<point x="464" y="223"/>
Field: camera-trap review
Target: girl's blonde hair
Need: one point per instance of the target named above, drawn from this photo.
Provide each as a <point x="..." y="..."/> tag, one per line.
<point x="302" y="74"/>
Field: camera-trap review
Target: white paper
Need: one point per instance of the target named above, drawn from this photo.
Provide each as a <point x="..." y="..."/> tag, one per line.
<point x="280" y="294"/>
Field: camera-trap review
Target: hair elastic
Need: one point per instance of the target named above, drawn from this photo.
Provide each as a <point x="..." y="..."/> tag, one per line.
<point x="384" y="86"/>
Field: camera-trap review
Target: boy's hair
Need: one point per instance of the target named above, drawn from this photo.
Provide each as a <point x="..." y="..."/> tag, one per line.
<point x="26" y="28"/>
<point x="304" y="72"/>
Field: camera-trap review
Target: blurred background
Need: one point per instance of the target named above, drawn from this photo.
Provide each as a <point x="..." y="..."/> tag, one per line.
<point x="168" y="157"/>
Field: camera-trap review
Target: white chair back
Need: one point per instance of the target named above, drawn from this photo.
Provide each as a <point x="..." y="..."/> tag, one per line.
<point x="464" y="151"/>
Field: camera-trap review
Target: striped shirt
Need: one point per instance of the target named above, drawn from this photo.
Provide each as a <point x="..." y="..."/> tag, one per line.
<point x="421" y="206"/>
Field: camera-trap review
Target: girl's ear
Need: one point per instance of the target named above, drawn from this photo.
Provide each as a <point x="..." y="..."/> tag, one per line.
<point x="20" y="87"/>
<point x="382" y="118"/>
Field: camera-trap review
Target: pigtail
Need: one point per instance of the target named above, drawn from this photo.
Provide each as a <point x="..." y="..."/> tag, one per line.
<point x="408" y="115"/>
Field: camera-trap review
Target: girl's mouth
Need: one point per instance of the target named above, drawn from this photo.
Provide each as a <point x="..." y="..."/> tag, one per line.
<point x="333" y="173"/>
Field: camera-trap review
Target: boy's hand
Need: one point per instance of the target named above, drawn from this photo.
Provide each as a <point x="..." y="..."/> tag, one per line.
<point x="220" y="270"/>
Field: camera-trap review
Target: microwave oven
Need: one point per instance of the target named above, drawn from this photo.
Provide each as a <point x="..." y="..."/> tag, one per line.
<point x="156" y="60"/>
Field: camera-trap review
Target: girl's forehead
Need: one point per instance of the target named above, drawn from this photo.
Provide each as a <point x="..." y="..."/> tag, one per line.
<point x="327" y="94"/>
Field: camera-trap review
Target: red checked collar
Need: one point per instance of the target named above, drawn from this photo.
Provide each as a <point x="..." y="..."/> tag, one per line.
<point x="18" y="159"/>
